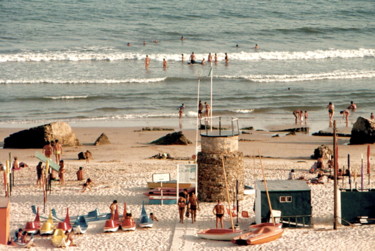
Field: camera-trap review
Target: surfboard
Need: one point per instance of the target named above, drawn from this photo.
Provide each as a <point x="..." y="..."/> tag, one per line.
<point x="43" y="158"/>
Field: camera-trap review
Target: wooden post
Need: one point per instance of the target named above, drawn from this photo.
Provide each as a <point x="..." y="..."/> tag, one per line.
<point x="350" y="173"/>
<point x="335" y="177"/>
<point x="368" y="165"/>
<point x="362" y="173"/>
<point x="226" y="188"/>
<point x="268" y="195"/>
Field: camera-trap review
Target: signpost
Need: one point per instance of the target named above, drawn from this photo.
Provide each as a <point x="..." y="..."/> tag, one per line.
<point x="160" y="177"/>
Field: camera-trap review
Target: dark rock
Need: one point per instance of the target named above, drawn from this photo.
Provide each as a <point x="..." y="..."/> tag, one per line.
<point x="248" y="128"/>
<point x="330" y="134"/>
<point x="37" y="137"/>
<point x="85" y="155"/>
<point x="102" y="140"/>
<point x="322" y="151"/>
<point x="176" y="138"/>
<point x="363" y="132"/>
<point x="296" y="129"/>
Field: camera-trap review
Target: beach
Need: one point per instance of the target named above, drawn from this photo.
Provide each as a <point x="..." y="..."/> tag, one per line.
<point x="120" y="171"/>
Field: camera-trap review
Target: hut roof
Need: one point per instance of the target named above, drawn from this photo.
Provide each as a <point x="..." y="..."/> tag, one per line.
<point x="283" y="185"/>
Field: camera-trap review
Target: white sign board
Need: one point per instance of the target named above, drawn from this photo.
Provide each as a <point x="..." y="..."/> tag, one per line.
<point x="187" y="173"/>
<point x="161" y="177"/>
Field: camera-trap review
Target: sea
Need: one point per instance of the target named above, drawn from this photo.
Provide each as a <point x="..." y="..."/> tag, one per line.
<point x="83" y="61"/>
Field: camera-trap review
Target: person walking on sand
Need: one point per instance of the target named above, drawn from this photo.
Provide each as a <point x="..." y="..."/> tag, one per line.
<point x="147" y="62"/>
<point x="181" y="203"/>
<point x="219" y="212"/>
<point x="193" y="204"/>
<point x="61" y="172"/>
<point x="181" y="111"/>
<point x="331" y="110"/>
<point x="345" y="115"/>
<point x="57" y="150"/>
<point x="39" y="173"/>
<point x="47" y="149"/>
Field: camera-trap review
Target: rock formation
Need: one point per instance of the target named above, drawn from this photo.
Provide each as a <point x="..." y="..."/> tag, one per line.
<point x="176" y="138"/>
<point x="363" y="132"/>
<point x="37" y="137"/>
<point x="102" y="140"/>
<point x="322" y="151"/>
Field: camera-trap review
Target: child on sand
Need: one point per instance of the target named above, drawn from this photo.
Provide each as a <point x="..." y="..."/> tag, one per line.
<point x="153" y="217"/>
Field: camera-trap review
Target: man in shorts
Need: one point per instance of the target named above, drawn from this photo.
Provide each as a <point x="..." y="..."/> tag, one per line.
<point x="219" y="212"/>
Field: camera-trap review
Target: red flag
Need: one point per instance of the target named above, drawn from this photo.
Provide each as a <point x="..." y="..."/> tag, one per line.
<point x="368" y="159"/>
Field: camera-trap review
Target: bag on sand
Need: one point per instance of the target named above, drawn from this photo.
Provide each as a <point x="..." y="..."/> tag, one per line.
<point x="187" y="214"/>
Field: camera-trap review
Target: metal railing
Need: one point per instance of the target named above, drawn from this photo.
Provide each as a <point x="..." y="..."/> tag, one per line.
<point x="225" y="126"/>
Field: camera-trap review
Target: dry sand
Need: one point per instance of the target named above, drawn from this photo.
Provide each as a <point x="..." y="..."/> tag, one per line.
<point x="120" y="171"/>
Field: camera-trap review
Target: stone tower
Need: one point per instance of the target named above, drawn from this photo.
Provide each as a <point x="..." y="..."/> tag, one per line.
<point x="218" y="150"/>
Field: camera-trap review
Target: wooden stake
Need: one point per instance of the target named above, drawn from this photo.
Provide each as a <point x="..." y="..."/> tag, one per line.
<point x="268" y="195"/>
<point x="226" y="188"/>
<point x="335" y="177"/>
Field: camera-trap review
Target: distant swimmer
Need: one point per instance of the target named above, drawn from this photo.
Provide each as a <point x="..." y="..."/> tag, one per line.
<point x="256" y="47"/>
<point x="182" y="38"/>
<point x="128" y="44"/>
<point x="226" y="58"/>
<point x="182" y="58"/>
<point x="147" y="62"/>
<point x="209" y="58"/>
<point x="164" y="64"/>
<point x="181" y="111"/>
<point x="144" y="43"/>
<point x="352" y="106"/>
<point x="192" y="58"/>
<point x="237" y="46"/>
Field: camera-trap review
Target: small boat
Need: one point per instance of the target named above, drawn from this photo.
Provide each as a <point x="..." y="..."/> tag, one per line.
<point x="59" y="239"/>
<point x="48" y="227"/>
<point x="259" y="236"/>
<point x="128" y="223"/>
<point x="265" y="224"/>
<point x="33" y="227"/>
<point x="221" y="234"/>
<point x="144" y="220"/>
<point x="157" y="200"/>
<point x="113" y="224"/>
<point x="80" y="225"/>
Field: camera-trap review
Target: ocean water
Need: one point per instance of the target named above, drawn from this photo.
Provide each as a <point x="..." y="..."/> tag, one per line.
<point x="70" y="61"/>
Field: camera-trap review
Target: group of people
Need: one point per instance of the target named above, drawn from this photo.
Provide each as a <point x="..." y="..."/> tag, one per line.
<point x="187" y="205"/>
<point x="53" y="147"/>
<point x="345" y="113"/>
<point x="300" y="116"/>
<point x="203" y="110"/>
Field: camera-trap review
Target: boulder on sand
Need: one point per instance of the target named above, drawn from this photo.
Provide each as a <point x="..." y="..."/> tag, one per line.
<point x="37" y="137"/>
<point x="322" y="151"/>
<point x="102" y="140"/>
<point x="176" y="138"/>
<point x="363" y="132"/>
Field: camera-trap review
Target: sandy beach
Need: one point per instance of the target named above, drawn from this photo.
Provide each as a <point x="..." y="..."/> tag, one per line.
<point x="122" y="169"/>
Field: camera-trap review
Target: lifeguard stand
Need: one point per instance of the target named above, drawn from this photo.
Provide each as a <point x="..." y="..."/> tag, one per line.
<point x="4" y="220"/>
<point x="219" y="146"/>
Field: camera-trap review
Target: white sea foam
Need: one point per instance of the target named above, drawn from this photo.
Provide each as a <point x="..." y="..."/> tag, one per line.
<point x="244" y="110"/>
<point x="112" y="55"/>
<point x="305" y="77"/>
<point x="86" y="81"/>
<point x="67" y="97"/>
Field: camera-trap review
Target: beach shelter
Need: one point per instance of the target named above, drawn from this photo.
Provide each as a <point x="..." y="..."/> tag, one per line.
<point x="356" y="206"/>
<point x="291" y="197"/>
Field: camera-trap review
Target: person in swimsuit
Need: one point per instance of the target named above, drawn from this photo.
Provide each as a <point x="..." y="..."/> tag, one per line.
<point x="165" y="64"/>
<point x="181" y="207"/>
<point x="209" y="58"/>
<point x="47" y="150"/>
<point x="297" y="115"/>
<point x="226" y="58"/>
<point x="200" y="109"/>
<point x="147" y="62"/>
<point x="113" y="207"/>
<point x="39" y="172"/>
<point x="215" y="58"/>
<point x="207" y="112"/>
<point x="181" y="111"/>
<point x="331" y="110"/>
<point x="61" y="172"/>
<point x="192" y="58"/>
<point x="219" y="212"/>
<point x="57" y="150"/>
<point x="193" y="202"/>
<point x="352" y="106"/>
<point x="345" y="115"/>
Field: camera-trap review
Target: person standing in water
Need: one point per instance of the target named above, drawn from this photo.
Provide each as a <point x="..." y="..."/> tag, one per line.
<point x="147" y="62"/>
<point x="331" y="110"/>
